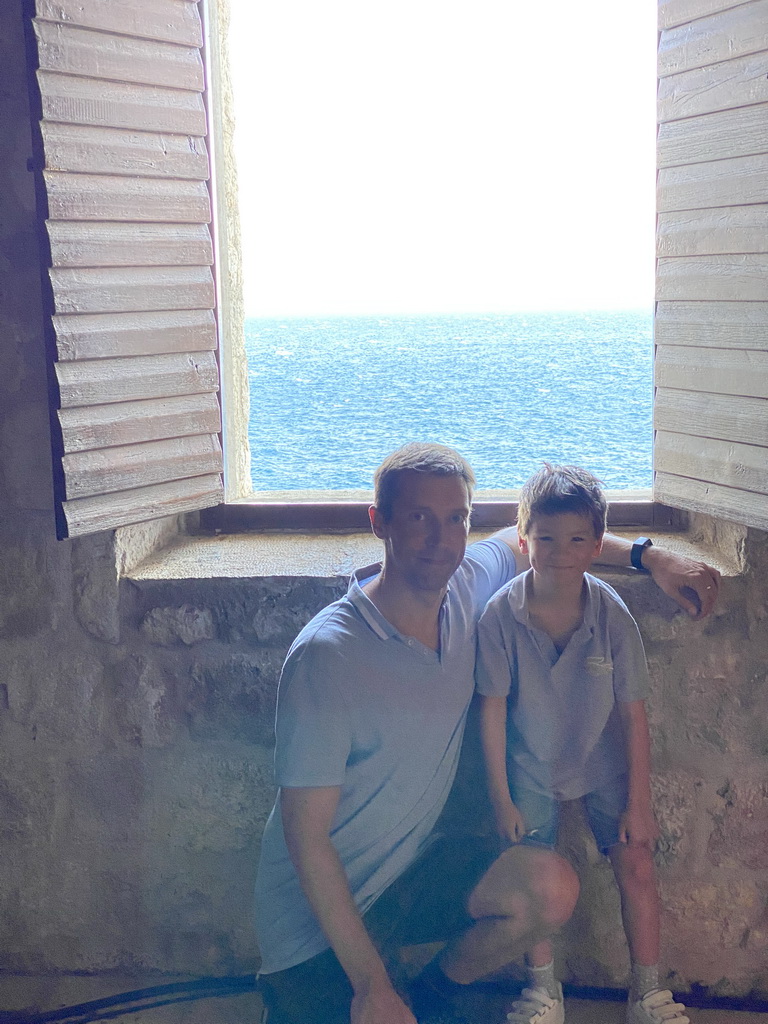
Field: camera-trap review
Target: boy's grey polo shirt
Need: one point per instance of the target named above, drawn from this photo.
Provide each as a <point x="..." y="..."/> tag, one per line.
<point x="368" y="709"/>
<point x="564" y="735"/>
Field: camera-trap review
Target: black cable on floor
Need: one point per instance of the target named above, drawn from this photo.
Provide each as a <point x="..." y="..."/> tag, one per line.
<point x="698" y="998"/>
<point x="156" y="996"/>
<point x="135" y="1000"/>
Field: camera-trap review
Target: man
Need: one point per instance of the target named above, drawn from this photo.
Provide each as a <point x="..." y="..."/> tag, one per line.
<point x="371" y="711"/>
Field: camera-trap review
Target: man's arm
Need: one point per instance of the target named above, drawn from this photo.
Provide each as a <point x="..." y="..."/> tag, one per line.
<point x="638" y="824"/>
<point x="307" y="814"/>
<point x="692" y="584"/>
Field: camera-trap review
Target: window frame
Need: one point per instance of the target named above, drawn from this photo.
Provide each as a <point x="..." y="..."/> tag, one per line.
<point x="241" y="510"/>
<point x="352" y="517"/>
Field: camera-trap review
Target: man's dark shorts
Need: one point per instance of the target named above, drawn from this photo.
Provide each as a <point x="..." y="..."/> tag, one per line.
<point x="426" y="904"/>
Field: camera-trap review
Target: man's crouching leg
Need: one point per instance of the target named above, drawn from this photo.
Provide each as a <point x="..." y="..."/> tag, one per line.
<point x="524" y="896"/>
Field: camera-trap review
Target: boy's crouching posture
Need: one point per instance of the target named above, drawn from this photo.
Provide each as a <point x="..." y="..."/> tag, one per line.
<point x="562" y="677"/>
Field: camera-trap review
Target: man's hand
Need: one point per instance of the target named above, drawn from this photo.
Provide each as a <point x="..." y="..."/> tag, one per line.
<point x="694" y="585"/>
<point x="637" y="826"/>
<point x="378" y="1003"/>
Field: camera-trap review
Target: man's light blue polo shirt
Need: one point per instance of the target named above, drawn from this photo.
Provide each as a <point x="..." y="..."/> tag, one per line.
<point x="365" y="708"/>
<point x="564" y="735"/>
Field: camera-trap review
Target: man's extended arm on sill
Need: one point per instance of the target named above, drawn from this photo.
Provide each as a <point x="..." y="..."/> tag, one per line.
<point x="692" y="584"/>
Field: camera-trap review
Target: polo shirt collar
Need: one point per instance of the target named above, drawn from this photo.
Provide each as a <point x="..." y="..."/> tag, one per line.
<point x="519" y="605"/>
<point x="382" y="627"/>
<point x="367" y="609"/>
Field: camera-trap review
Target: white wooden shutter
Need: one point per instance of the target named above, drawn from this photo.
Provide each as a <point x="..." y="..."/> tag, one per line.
<point x="124" y="176"/>
<point x="711" y="370"/>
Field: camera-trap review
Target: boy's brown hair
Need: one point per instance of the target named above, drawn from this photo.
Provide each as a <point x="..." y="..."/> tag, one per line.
<point x="556" y="489"/>
<point x="423" y="457"/>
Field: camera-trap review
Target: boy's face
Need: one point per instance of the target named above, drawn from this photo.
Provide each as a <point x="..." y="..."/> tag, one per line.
<point x="561" y="547"/>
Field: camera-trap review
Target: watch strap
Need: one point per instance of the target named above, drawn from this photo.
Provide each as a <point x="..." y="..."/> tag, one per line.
<point x="636" y="554"/>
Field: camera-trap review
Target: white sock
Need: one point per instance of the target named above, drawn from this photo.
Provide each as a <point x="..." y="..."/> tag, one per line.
<point x="544" y="978"/>
<point x="644" y="979"/>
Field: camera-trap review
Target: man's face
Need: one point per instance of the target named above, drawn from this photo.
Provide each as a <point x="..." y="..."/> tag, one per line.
<point x="561" y="547"/>
<point x="426" y="536"/>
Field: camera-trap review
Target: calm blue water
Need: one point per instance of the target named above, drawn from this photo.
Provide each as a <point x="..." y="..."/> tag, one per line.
<point x="331" y="397"/>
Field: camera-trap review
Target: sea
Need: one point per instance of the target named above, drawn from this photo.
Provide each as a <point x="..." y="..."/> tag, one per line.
<point x="331" y="396"/>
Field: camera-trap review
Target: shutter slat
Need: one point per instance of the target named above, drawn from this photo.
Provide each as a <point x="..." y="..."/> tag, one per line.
<point x="734" y="83"/>
<point x="139" y="465"/>
<point x="105" y="426"/>
<point x="92" y="197"/>
<point x="131" y="289"/>
<point x="745" y="507"/>
<point x="734" y="32"/>
<point x="73" y="100"/>
<point x="76" y="51"/>
<point x="733" y="465"/>
<point x="739" y="229"/>
<point x="713" y="183"/>
<point x="675" y="12"/>
<point x="107" y="511"/>
<point x="719" y="371"/>
<point x="120" y="244"/>
<point x="110" y="151"/>
<point x="104" y="336"/>
<point x="720" y="136"/>
<point x="174" y="21"/>
<point x="738" y="276"/>
<point x="715" y="324"/>
<point x="100" y="381"/>
<point x="720" y="416"/>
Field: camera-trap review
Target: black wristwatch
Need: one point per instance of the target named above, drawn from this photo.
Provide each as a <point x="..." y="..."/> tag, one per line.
<point x="636" y="554"/>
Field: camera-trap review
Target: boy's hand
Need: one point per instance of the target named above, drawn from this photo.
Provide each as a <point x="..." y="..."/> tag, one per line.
<point x="637" y="827"/>
<point x="510" y="824"/>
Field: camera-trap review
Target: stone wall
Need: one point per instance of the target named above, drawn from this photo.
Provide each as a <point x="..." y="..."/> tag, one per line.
<point x="135" y="717"/>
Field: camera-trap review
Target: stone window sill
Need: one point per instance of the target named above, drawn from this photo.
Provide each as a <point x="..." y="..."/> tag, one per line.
<point x="329" y="556"/>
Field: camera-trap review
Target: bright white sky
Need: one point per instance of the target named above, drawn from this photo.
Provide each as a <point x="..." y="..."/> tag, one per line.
<point x="431" y="156"/>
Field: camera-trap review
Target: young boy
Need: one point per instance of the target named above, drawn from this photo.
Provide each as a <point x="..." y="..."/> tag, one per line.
<point x="562" y="677"/>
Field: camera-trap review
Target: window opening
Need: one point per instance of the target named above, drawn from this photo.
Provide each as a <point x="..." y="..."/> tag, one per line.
<point x="447" y="231"/>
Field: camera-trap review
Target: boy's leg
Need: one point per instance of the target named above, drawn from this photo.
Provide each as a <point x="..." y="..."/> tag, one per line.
<point x="541" y="815"/>
<point x="634" y="871"/>
<point x="636" y="878"/>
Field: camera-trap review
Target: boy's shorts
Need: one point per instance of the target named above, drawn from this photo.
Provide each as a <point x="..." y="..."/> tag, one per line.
<point x="541" y="813"/>
<point x="427" y="903"/>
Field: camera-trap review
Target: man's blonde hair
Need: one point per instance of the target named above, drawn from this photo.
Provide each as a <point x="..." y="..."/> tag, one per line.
<point x="421" y="457"/>
<point x="553" y="490"/>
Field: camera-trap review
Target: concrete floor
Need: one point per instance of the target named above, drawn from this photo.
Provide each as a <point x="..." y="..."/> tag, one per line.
<point x="23" y="998"/>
